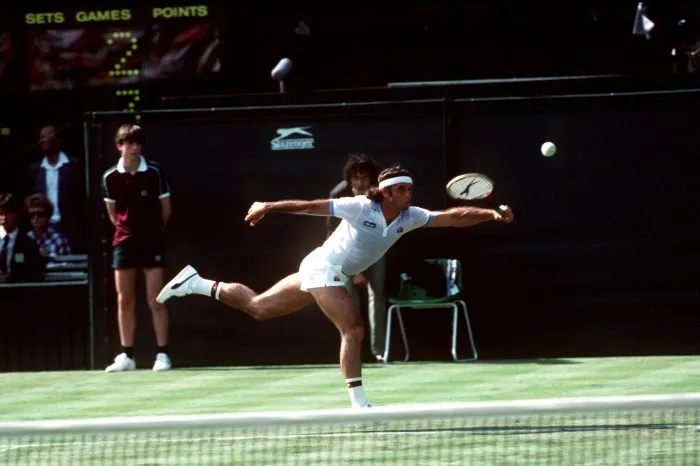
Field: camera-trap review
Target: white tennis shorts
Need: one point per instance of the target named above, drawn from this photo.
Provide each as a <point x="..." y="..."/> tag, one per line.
<point x="316" y="272"/>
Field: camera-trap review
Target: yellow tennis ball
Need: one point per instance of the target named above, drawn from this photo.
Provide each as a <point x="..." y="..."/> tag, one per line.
<point x="548" y="149"/>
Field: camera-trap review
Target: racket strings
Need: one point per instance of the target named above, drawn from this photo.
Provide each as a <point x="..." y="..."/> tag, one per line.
<point x="470" y="188"/>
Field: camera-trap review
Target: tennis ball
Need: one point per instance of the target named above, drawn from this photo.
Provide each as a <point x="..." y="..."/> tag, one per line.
<point x="548" y="149"/>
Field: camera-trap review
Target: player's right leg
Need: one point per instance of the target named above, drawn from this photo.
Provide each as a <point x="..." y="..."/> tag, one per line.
<point x="285" y="297"/>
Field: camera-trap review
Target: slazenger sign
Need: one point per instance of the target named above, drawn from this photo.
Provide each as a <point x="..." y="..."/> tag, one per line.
<point x="293" y="139"/>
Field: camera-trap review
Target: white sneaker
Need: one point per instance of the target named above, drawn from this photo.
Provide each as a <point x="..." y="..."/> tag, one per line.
<point x="162" y="363"/>
<point x="366" y="405"/>
<point x="122" y="363"/>
<point x="178" y="286"/>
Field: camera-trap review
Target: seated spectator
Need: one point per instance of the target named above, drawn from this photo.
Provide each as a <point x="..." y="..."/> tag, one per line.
<point x="49" y="241"/>
<point x="20" y="260"/>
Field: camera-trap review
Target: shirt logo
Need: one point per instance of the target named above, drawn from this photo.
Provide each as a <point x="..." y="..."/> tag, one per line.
<point x="336" y="279"/>
<point x="285" y="142"/>
<point x="144" y="193"/>
<point x="369" y="224"/>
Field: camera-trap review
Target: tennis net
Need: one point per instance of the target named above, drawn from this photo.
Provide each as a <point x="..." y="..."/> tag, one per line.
<point x="633" y="430"/>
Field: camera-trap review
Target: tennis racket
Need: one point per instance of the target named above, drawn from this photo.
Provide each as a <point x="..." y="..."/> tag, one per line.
<point x="470" y="186"/>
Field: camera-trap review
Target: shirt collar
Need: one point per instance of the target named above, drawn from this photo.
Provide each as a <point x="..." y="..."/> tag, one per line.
<point x="62" y="160"/>
<point x="141" y="168"/>
<point x="12" y="235"/>
<point x="377" y="207"/>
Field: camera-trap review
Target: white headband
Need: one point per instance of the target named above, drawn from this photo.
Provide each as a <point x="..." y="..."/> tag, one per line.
<point x="396" y="180"/>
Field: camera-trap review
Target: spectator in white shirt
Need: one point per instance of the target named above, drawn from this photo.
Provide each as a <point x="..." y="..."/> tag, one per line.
<point x="58" y="177"/>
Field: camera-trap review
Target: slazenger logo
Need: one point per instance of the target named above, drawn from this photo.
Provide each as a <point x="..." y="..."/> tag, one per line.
<point x="285" y="142"/>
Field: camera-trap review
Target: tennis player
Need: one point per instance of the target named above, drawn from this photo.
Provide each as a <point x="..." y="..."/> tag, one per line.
<point x="370" y="225"/>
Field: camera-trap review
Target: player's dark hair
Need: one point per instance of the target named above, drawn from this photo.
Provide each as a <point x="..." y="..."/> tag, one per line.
<point x="361" y="163"/>
<point x="130" y="133"/>
<point x="374" y="194"/>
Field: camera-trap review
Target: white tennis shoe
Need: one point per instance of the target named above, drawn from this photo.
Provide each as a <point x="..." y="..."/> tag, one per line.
<point x="179" y="286"/>
<point x="366" y="405"/>
<point x="162" y="363"/>
<point x="122" y="363"/>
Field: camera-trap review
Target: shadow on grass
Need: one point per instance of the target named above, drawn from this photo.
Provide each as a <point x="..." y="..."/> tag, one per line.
<point x="498" y="362"/>
<point x="291" y="367"/>
<point x="375" y="365"/>
<point x="541" y="361"/>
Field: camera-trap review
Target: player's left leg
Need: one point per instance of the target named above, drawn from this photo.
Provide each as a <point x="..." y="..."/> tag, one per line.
<point x="336" y="303"/>
<point x="154" y="283"/>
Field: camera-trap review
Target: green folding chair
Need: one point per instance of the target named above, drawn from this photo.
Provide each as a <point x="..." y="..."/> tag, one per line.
<point x="414" y="297"/>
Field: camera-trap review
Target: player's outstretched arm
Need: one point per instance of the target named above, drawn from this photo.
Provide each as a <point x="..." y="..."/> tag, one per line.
<point x="258" y="210"/>
<point x="460" y="217"/>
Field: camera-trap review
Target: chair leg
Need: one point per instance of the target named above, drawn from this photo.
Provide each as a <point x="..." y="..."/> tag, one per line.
<point x="387" y="344"/>
<point x="469" y="330"/>
<point x="403" y="334"/>
<point x="455" y="322"/>
<point x="387" y="340"/>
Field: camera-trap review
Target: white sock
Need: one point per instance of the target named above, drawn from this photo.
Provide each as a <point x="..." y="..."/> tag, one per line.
<point x="356" y="392"/>
<point x="201" y="286"/>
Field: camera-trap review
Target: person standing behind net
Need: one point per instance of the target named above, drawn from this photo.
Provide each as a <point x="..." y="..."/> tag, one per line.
<point x="370" y="226"/>
<point x="360" y="174"/>
<point x="59" y="178"/>
<point x="137" y="197"/>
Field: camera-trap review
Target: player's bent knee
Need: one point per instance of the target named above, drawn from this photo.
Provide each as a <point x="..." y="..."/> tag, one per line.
<point x="353" y="333"/>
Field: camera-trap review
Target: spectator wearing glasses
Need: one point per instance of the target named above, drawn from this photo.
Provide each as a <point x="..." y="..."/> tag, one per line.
<point x="20" y="260"/>
<point x="49" y="241"/>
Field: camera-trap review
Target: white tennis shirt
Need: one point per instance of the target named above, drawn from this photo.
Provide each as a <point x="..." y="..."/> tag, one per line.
<point x="363" y="236"/>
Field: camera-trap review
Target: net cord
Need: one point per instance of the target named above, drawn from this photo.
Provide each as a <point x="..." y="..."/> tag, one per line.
<point x="486" y="409"/>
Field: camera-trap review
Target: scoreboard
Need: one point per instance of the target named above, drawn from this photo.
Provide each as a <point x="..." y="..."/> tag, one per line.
<point x="115" y="15"/>
<point x="117" y="50"/>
